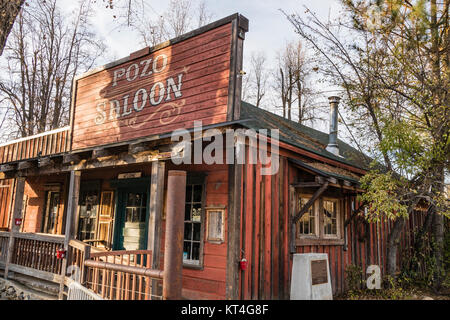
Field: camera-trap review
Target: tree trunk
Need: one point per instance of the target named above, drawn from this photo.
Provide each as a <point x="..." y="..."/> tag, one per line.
<point x="392" y="246"/>
<point x="283" y="96"/>
<point x="437" y="229"/>
<point x="9" y="9"/>
<point x="420" y="239"/>
<point x="438" y="249"/>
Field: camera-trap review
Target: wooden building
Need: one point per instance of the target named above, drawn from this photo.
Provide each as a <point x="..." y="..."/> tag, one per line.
<point x="104" y="177"/>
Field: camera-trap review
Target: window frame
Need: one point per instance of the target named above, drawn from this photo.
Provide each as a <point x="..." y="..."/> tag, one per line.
<point x="319" y="238"/>
<point x="338" y="234"/>
<point x="221" y="238"/>
<point x="198" y="179"/>
<point x="315" y="207"/>
<point x="46" y="215"/>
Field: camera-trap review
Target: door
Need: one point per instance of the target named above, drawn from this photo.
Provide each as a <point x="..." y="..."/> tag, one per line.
<point x="88" y="204"/>
<point x="105" y="220"/>
<point x="132" y="218"/>
<point x="51" y="212"/>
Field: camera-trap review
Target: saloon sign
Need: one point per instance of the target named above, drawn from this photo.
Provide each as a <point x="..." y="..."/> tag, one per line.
<point x="161" y="89"/>
<point x="152" y="96"/>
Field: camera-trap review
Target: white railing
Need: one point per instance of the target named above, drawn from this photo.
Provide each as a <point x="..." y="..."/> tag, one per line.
<point x="78" y="292"/>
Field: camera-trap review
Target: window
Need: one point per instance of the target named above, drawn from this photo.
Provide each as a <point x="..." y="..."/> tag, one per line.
<point x="136" y="207"/>
<point x="321" y="224"/>
<point x="193" y="222"/>
<point x="307" y="223"/>
<point x="51" y="212"/>
<point x="330" y="223"/>
<point x="88" y="205"/>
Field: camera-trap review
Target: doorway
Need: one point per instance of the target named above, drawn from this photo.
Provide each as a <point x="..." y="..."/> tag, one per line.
<point x="132" y="214"/>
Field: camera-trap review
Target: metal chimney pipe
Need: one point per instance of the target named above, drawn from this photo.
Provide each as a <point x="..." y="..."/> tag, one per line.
<point x="332" y="140"/>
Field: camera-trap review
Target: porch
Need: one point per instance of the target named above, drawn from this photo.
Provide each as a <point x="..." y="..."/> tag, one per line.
<point x="89" y="272"/>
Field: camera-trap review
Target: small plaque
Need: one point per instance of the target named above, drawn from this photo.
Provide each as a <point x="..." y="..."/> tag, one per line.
<point x="319" y="272"/>
<point x="129" y="175"/>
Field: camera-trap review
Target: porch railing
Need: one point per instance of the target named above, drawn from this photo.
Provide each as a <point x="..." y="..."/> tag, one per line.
<point x="43" y="144"/>
<point x="31" y="254"/>
<point x="112" y="275"/>
<point x="37" y="251"/>
<point x="78" y="292"/>
<point x="123" y="275"/>
<point x="4" y="241"/>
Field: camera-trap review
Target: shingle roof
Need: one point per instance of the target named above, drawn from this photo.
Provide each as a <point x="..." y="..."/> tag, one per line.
<point x="301" y="136"/>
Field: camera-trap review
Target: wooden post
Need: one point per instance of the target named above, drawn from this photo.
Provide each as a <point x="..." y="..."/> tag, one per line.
<point x="234" y="230"/>
<point x="173" y="248"/>
<point x="17" y="211"/>
<point x="86" y="256"/>
<point x="72" y="205"/>
<point x="155" y="220"/>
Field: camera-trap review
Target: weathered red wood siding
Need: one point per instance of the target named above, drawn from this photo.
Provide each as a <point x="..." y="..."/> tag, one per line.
<point x="34" y="202"/>
<point x="28" y="148"/>
<point x="265" y="244"/>
<point x="204" y="63"/>
<point x="265" y="236"/>
<point x="207" y="282"/>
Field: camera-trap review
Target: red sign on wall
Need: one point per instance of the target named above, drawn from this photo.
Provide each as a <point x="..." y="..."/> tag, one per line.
<point x="158" y="90"/>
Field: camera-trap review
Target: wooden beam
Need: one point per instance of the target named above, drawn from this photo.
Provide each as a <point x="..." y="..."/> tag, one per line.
<point x="352" y="188"/>
<point x="17" y="212"/>
<point x="72" y="205"/>
<point x="233" y="230"/>
<point x="292" y="231"/>
<point x="22" y="165"/>
<point x="46" y="161"/>
<point x="111" y="161"/>
<point x="320" y="180"/>
<point x="134" y="148"/>
<point x="306" y="184"/>
<point x="71" y="158"/>
<point x="308" y="205"/>
<point x="332" y="180"/>
<point x="100" y="153"/>
<point x="155" y="219"/>
<point x="44" y="275"/>
<point x="347" y="183"/>
<point x="8" y="167"/>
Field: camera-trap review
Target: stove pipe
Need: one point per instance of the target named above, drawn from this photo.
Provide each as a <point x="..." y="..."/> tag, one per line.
<point x="332" y="140"/>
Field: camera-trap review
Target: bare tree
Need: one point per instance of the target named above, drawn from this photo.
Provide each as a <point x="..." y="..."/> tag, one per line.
<point x="255" y="83"/>
<point x="391" y="59"/>
<point x="292" y="82"/>
<point x="45" y="51"/>
<point x="9" y="9"/>
<point x="180" y="17"/>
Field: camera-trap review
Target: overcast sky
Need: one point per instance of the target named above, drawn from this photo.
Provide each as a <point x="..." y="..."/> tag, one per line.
<point x="269" y="29"/>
